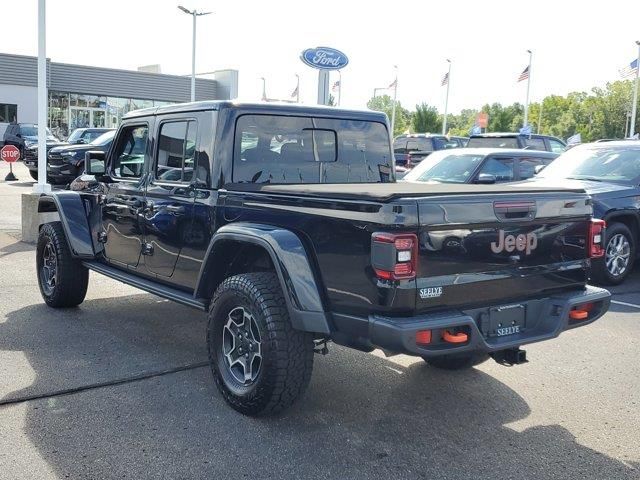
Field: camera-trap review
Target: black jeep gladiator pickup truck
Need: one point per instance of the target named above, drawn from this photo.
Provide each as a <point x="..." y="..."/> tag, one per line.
<point x="285" y="224"/>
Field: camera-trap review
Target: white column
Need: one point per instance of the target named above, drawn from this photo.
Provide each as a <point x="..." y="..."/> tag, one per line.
<point x="323" y="87"/>
<point x="42" y="186"/>
<point x="634" y="106"/>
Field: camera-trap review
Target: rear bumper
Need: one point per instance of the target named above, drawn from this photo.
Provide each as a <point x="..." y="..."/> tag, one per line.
<point x="546" y="318"/>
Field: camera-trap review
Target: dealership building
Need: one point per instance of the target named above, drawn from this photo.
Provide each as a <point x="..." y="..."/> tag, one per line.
<point x="84" y="96"/>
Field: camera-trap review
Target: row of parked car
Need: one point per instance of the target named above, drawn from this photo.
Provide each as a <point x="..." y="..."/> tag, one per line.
<point x="608" y="171"/>
<point x="65" y="159"/>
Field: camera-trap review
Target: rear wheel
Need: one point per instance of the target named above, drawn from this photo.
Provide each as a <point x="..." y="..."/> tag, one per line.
<point x="457" y="361"/>
<point x="260" y="363"/>
<point x="62" y="279"/>
<point x="620" y="253"/>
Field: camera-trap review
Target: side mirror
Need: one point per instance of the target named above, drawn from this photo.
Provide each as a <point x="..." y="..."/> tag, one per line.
<point x="486" y="179"/>
<point x="80" y="141"/>
<point x="95" y="163"/>
<point x="538" y="168"/>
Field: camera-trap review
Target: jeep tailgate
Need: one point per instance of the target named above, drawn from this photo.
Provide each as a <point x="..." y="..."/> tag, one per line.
<point x="478" y="249"/>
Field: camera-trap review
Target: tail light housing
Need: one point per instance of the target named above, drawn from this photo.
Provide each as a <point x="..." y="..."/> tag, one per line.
<point x="595" y="240"/>
<point x="394" y="256"/>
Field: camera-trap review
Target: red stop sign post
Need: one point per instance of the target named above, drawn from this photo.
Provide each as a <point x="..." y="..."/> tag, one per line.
<point x="10" y="154"/>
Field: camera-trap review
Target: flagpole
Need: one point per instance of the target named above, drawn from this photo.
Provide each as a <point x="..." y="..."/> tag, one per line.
<point x="297" y="88"/>
<point x="634" y="106"/>
<point x="540" y="115"/>
<point x="526" y="104"/>
<point x="339" y="87"/>
<point x="446" y="101"/>
<point x="395" y="95"/>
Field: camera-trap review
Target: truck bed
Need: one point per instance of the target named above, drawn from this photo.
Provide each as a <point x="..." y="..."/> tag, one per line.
<point x="389" y="191"/>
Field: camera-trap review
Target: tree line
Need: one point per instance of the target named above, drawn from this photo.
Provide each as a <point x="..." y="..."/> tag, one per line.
<point x="600" y="113"/>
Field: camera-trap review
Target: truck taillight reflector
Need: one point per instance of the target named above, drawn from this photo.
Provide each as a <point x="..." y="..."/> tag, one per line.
<point x="394" y="256"/>
<point x="423" y="337"/>
<point x="595" y="242"/>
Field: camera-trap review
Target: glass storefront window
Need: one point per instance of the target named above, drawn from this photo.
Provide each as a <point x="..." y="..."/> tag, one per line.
<point x="59" y="114"/>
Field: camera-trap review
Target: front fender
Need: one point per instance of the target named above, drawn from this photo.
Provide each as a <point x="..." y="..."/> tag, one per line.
<point x="292" y="266"/>
<point x="73" y="216"/>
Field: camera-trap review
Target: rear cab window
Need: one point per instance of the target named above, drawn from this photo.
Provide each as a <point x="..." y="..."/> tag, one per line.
<point x="297" y="150"/>
<point x="494" y="142"/>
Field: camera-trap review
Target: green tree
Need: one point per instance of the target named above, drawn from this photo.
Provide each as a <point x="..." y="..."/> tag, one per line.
<point x="426" y="119"/>
<point x="384" y="103"/>
<point x="462" y="123"/>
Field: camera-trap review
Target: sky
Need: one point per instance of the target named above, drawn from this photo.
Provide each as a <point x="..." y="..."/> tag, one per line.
<point x="576" y="44"/>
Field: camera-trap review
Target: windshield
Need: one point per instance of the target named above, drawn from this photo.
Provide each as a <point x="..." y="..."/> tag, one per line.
<point x="612" y="164"/>
<point x="75" y="135"/>
<point x="104" y="139"/>
<point x="445" y="167"/>
<point x="30" y="130"/>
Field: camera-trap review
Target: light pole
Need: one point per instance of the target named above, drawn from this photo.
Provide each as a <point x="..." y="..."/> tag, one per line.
<point x="446" y="101"/>
<point x="526" y="104"/>
<point x="297" y="88"/>
<point x="264" y="89"/>
<point x="195" y="14"/>
<point x="395" y="96"/>
<point x="634" y="105"/>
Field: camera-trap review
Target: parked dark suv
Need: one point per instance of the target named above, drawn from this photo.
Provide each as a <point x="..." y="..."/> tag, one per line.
<point x="516" y="140"/>
<point x="25" y="136"/>
<point x="66" y="162"/>
<point x="411" y="149"/>
<point x="86" y="135"/>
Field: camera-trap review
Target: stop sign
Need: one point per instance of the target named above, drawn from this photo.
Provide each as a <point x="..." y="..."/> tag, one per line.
<point x="9" y="153"/>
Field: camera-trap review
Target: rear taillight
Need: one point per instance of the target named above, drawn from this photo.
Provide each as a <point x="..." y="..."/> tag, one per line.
<point x="595" y="242"/>
<point x="394" y="256"/>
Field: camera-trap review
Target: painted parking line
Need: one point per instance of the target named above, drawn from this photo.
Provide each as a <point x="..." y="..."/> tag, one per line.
<point x="632" y="305"/>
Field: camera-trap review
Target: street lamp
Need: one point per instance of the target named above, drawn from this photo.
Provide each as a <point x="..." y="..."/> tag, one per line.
<point x="195" y="14"/>
<point x="264" y="89"/>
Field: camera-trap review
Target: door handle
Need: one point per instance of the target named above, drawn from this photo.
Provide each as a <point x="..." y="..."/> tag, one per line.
<point x="177" y="209"/>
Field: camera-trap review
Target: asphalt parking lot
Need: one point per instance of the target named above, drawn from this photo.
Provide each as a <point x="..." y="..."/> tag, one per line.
<point x="119" y="388"/>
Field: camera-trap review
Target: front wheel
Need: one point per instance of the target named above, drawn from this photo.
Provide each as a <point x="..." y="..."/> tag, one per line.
<point x="62" y="279"/>
<point x="260" y="364"/>
<point x="620" y="253"/>
<point x="457" y="361"/>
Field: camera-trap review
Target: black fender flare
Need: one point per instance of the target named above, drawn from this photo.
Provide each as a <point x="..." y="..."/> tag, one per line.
<point x="73" y="216"/>
<point x="292" y="266"/>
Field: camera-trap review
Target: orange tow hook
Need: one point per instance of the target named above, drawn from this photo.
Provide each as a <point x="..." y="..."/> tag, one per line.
<point x="580" y="312"/>
<point x="459" y="337"/>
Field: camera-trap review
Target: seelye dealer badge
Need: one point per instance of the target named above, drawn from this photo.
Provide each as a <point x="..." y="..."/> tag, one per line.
<point x="431" y="292"/>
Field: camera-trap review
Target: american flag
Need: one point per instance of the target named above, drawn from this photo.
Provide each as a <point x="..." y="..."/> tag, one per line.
<point x="394" y="84"/>
<point x="524" y="75"/>
<point x="630" y="70"/>
<point x="445" y="80"/>
<point x="336" y="86"/>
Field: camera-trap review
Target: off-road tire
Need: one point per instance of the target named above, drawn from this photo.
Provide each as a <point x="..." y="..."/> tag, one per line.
<point x="287" y="354"/>
<point x="600" y="272"/>
<point x="72" y="278"/>
<point x="457" y="361"/>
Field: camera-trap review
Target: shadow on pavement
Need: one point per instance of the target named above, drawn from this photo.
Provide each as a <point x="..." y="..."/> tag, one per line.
<point x="362" y="417"/>
<point x="15" y="247"/>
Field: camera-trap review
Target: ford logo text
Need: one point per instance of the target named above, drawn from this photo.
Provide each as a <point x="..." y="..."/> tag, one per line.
<point x="324" y="58"/>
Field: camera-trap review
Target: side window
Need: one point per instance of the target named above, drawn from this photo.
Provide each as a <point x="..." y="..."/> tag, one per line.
<point x="535" y="143"/>
<point x="176" y="151"/>
<point x="528" y="166"/>
<point x="129" y="154"/>
<point x="501" y="168"/>
<point x="556" y="146"/>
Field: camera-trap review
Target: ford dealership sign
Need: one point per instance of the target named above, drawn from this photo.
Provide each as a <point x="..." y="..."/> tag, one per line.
<point x="324" y="58"/>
